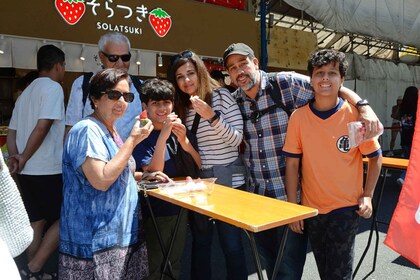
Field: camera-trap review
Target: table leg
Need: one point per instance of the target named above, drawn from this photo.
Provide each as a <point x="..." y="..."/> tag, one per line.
<point x="374" y="226"/>
<point x="167" y="262"/>
<point x="161" y="243"/>
<point x="254" y="249"/>
<point x="281" y="250"/>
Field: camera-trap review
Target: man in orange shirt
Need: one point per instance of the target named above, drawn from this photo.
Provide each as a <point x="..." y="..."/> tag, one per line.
<point x="332" y="173"/>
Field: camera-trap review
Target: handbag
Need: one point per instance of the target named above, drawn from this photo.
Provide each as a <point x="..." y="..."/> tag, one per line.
<point x="15" y="228"/>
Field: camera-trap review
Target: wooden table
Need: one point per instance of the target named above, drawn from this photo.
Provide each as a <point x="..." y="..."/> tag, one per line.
<point x="251" y="212"/>
<point x="387" y="163"/>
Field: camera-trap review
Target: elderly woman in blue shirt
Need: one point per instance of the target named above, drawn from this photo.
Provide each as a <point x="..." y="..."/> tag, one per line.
<point x="100" y="233"/>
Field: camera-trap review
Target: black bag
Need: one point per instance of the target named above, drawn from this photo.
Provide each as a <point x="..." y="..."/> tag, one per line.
<point x="185" y="164"/>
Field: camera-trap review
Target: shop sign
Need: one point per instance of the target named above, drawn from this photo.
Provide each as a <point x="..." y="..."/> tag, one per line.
<point x="73" y="10"/>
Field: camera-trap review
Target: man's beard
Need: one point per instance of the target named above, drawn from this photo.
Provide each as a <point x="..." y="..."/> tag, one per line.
<point x="252" y="82"/>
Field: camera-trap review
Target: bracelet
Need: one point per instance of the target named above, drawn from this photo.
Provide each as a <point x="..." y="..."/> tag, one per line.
<point x="362" y="102"/>
<point x="215" y="117"/>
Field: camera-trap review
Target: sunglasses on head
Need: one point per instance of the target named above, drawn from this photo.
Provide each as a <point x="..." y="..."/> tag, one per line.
<point x="114" y="57"/>
<point x="114" y="94"/>
<point x="184" y="54"/>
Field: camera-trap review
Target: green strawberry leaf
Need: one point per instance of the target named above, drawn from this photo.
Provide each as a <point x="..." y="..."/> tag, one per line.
<point x="73" y="1"/>
<point x="158" y="12"/>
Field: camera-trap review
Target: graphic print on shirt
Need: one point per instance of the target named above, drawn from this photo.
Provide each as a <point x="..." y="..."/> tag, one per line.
<point x="343" y="144"/>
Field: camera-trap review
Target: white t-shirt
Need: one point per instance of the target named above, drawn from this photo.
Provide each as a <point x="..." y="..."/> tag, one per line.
<point x="76" y="111"/>
<point x="42" y="99"/>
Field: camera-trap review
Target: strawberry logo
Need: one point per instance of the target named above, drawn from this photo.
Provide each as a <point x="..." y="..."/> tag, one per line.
<point x="71" y="10"/>
<point x="160" y="21"/>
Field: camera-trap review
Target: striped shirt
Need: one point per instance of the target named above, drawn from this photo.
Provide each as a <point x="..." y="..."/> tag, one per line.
<point x="265" y="138"/>
<point x="218" y="144"/>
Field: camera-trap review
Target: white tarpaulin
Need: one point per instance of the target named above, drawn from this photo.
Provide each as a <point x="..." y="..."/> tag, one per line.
<point x="390" y="20"/>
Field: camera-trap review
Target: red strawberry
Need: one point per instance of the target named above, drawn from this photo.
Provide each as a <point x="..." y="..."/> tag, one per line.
<point x="160" y="21"/>
<point x="143" y="118"/>
<point x="71" y="10"/>
<point x="143" y="115"/>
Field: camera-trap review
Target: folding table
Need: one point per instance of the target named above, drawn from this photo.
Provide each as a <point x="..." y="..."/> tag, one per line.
<point x="251" y="212"/>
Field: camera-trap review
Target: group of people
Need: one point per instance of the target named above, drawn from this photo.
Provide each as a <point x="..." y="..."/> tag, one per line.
<point x="102" y="228"/>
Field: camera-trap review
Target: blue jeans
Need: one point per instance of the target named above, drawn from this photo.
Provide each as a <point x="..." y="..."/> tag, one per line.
<point x="407" y="152"/>
<point x="294" y="254"/>
<point x="230" y="241"/>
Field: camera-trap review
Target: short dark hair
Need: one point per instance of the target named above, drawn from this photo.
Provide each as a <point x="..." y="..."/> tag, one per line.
<point x="157" y="90"/>
<point x="105" y="80"/>
<point x="326" y="56"/>
<point x="48" y="56"/>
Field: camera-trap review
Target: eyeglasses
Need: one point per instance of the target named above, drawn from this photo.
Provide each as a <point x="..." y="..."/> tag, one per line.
<point x="114" y="57"/>
<point x="184" y="54"/>
<point x="114" y="94"/>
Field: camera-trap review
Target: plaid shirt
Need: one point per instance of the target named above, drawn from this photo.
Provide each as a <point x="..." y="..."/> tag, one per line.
<point x="265" y="138"/>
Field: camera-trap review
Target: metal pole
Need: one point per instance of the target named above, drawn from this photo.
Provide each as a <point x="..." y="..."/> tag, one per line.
<point x="263" y="15"/>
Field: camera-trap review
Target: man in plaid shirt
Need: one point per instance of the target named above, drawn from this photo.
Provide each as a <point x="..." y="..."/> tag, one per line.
<point x="265" y="126"/>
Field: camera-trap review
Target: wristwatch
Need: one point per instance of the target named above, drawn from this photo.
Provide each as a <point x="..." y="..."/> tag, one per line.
<point x="215" y="117"/>
<point x="362" y="102"/>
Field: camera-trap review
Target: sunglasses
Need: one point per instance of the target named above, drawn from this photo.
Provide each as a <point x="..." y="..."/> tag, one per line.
<point x="184" y="54"/>
<point x="114" y="57"/>
<point x="114" y="94"/>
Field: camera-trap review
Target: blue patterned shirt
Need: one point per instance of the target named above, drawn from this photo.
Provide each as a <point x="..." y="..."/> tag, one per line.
<point x="265" y="138"/>
<point x="93" y="220"/>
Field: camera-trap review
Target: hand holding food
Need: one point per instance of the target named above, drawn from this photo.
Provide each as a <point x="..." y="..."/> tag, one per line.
<point x="201" y="107"/>
<point x="143" y="118"/>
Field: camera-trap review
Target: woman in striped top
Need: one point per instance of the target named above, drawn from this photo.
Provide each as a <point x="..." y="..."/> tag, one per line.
<point x="219" y="134"/>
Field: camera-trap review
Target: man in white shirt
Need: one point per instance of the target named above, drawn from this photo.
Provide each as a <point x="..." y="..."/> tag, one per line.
<point x="114" y="52"/>
<point x="35" y="144"/>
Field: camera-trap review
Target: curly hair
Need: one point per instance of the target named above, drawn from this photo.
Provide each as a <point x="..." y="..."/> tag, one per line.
<point x="323" y="57"/>
<point x="157" y="90"/>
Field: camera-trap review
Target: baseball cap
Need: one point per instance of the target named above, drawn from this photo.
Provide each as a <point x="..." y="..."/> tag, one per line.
<point x="238" y="48"/>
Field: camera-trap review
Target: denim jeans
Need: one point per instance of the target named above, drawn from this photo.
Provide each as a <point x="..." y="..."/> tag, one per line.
<point x="407" y="152"/>
<point x="294" y="254"/>
<point x="230" y="241"/>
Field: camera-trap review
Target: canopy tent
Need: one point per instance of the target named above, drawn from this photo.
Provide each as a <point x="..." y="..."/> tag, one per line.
<point x="396" y="22"/>
<point x="391" y="20"/>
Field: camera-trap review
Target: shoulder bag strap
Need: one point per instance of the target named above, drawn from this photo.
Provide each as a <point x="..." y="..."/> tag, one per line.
<point x="195" y="123"/>
<point x="274" y="92"/>
<point x="85" y="86"/>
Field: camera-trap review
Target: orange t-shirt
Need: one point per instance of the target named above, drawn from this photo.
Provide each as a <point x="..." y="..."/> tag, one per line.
<point x="332" y="174"/>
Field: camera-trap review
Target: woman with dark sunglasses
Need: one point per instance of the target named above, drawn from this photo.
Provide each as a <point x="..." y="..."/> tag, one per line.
<point x="100" y="220"/>
<point x="219" y="135"/>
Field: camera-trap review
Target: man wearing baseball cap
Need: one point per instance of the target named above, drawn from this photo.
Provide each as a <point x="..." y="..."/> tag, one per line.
<point x="266" y="101"/>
